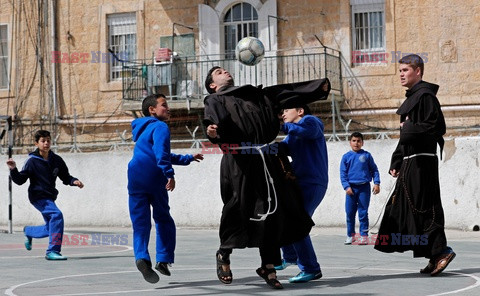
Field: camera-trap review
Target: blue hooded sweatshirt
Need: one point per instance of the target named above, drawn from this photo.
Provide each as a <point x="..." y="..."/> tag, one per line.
<point x="308" y="149"/>
<point x="151" y="164"/>
<point x="42" y="174"/>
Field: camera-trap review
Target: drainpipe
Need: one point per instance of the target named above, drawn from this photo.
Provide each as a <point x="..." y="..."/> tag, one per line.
<point x="452" y="108"/>
<point x="94" y="121"/>
<point x="54" y="66"/>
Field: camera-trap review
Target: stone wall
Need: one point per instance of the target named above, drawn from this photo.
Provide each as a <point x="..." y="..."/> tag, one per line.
<point x="196" y="200"/>
<point x="442" y="31"/>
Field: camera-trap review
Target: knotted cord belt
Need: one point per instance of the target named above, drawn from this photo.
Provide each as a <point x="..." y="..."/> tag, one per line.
<point x="269" y="179"/>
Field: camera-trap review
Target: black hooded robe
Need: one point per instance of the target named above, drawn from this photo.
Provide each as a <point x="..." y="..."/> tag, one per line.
<point x="248" y="116"/>
<point x="413" y="218"/>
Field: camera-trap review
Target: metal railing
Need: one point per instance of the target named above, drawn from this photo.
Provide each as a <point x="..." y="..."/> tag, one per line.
<point x="183" y="78"/>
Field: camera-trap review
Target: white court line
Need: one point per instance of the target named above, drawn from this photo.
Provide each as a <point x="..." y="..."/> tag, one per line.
<point x="477" y="284"/>
<point x="127" y="248"/>
<point x="10" y="290"/>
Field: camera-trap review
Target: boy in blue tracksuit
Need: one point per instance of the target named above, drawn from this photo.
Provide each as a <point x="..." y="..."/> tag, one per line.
<point x="357" y="169"/>
<point x="150" y="176"/>
<point x="305" y="143"/>
<point x="42" y="168"/>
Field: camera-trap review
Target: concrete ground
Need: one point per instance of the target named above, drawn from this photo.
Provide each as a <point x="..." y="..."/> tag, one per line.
<point x="100" y="262"/>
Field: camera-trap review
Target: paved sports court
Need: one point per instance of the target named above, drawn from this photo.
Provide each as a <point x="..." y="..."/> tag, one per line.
<point x="101" y="263"/>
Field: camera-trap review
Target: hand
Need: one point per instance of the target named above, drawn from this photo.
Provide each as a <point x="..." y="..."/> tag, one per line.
<point x="11" y="164"/>
<point x="197" y="157"/>
<point x="394" y="173"/>
<point x="376" y="189"/>
<point x="78" y="183"/>
<point x="212" y="131"/>
<point x="170" y="184"/>
<point x="401" y="123"/>
<point x="349" y="191"/>
<point x="325" y="87"/>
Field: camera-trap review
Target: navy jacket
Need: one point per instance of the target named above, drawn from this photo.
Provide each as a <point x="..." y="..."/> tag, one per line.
<point x="42" y="174"/>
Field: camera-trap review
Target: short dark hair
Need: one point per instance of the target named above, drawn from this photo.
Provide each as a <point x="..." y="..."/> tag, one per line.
<point x="306" y="109"/>
<point x="413" y="60"/>
<point x="209" y="79"/>
<point x="356" y="135"/>
<point x="42" y="134"/>
<point x="150" y="101"/>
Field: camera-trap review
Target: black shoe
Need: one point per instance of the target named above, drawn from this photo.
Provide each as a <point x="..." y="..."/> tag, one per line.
<point x="145" y="267"/>
<point x="162" y="267"/>
<point x="429" y="268"/>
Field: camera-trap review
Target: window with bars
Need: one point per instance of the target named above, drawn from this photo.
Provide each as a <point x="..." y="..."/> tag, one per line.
<point x="368" y="31"/>
<point x="241" y="20"/>
<point x="3" y="56"/>
<point x="122" y="40"/>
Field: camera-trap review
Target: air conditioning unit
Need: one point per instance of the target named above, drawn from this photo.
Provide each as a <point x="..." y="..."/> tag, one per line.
<point x="162" y="55"/>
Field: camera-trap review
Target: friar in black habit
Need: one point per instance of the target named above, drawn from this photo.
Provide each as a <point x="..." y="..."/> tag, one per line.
<point x="262" y="201"/>
<point x="413" y="218"/>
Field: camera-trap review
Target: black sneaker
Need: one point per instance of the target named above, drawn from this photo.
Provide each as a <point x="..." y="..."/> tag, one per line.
<point x="145" y="267"/>
<point x="162" y="267"/>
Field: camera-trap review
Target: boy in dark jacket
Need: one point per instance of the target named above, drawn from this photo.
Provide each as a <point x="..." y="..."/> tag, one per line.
<point x="150" y="176"/>
<point x="42" y="168"/>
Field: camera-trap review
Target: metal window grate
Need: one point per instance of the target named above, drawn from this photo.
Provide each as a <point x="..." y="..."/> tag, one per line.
<point x="3" y="56"/>
<point x="122" y="40"/>
<point x="240" y="21"/>
<point x="368" y="30"/>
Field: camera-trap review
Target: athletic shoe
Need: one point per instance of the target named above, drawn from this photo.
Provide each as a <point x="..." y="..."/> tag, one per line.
<point x="284" y="265"/>
<point x="162" y="267"/>
<point x="55" y="256"/>
<point x="363" y="240"/>
<point x="349" y="240"/>
<point x="145" y="267"/>
<point x="28" y="241"/>
<point x="304" y="277"/>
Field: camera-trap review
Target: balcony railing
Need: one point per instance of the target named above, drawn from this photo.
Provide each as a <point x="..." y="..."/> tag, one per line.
<point x="183" y="78"/>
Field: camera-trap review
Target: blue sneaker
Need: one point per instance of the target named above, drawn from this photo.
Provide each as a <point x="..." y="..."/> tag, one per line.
<point x="28" y="241"/>
<point x="284" y="265"/>
<point x="304" y="277"/>
<point x="55" y="256"/>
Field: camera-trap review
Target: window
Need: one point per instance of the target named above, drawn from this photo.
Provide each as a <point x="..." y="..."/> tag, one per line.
<point x="122" y="40"/>
<point x="240" y="21"/>
<point x="368" y="31"/>
<point x="3" y="57"/>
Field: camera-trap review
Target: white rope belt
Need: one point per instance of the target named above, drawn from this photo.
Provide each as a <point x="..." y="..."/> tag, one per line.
<point x="268" y="177"/>
<point x="420" y="154"/>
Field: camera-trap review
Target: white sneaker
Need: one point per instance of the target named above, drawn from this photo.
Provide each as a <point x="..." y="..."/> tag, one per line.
<point x="349" y="240"/>
<point x="363" y="240"/>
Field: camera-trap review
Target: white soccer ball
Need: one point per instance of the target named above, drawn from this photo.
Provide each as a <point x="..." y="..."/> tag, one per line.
<point x="249" y="51"/>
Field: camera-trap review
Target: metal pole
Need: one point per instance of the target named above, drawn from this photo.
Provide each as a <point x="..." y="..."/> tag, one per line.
<point x="334" y="130"/>
<point x="10" y="152"/>
<point x="269" y="42"/>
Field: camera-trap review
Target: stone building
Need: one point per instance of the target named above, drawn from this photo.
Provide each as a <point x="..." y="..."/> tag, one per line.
<point x="57" y="70"/>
